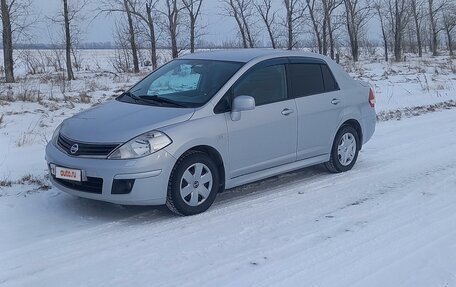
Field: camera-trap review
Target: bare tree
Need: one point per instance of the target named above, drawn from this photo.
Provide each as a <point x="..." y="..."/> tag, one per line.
<point x="122" y="56"/>
<point x="316" y="21"/>
<point x="329" y="6"/>
<point x="449" y="23"/>
<point x="7" y="42"/>
<point x="172" y="14"/>
<point x="434" y="8"/>
<point x="16" y="18"/>
<point x="148" y="17"/>
<point x="295" y="13"/>
<point x="417" y="13"/>
<point x="193" y="8"/>
<point x="242" y="11"/>
<point x="126" y="7"/>
<point x="264" y="9"/>
<point x="357" y="13"/>
<point x="380" y="12"/>
<point x="66" y="17"/>
<point x="69" y="17"/>
<point x="153" y="40"/>
<point x="132" y="33"/>
<point x="398" y="15"/>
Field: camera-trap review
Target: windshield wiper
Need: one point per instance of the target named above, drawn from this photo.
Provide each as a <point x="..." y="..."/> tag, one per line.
<point x="130" y="95"/>
<point x="162" y="100"/>
<point x="154" y="100"/>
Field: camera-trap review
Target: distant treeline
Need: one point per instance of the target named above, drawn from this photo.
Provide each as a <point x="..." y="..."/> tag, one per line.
<point x="41" y="46"/>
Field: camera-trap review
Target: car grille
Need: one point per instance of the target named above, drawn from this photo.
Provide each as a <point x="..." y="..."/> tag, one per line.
<point x="92" y="185"/>
<point x="85" y="149"/>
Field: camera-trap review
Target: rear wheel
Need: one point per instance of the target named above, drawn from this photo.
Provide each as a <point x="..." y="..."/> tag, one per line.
<point x="193" y="184"/>
<point x="345" y="149"/>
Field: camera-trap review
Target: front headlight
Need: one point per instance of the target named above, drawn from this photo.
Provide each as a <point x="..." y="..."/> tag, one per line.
<point x="142" y="145"/>
<point x="56" y="133"/>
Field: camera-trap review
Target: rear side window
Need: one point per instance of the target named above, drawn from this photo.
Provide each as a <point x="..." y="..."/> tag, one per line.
<point x="311" y="79"/>
<point x="328" y="78"/>
<point x="306" y="79"/>
<point x="267" y="85"/>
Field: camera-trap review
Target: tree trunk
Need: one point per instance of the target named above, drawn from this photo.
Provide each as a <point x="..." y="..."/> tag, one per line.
<point x="434" y="32"/>
<point x="7" y="43"/>
<point x="290" y="27"/>
<point x="324" y="38"/>
<point x="174" y="51"/>
<point x="192" y="33"/>
<point x="315" y="27"/>
<point x="385" y="39"/>
<point x="325" y="26"/>
<point x="153" y="43"/>
<point x="70" y="74"/>
<point x="450" y="41"/>
<point x="267" y="22"/>
<point x="397" y="34"/>
<point x="239" y="23"/>
<point x="352" y="34"/>
<point x="173" y="30"/>
<point x="331" y="38"/>
<point x="131" y="30"/>
<point x="418" y="28"/>
<point x="271" y="36"/>
<point x="247" y="30"/>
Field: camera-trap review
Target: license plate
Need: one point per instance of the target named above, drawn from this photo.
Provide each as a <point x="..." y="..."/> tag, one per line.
<point x="68" y="173"/>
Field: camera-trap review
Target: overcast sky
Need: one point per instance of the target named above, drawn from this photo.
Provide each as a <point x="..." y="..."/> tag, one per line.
<point x="100" y="28"/>
<point x="217" y="27"/>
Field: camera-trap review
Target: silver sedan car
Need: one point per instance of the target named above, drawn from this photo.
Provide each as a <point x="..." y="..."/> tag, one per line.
<point x="211" y="121"/>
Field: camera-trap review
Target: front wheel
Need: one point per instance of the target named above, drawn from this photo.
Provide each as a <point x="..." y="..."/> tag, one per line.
<point x="345" y="149"/>
<point x="193" y="184"/>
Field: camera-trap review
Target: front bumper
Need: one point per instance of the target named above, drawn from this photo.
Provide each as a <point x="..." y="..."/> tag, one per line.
<point x="150" y="175"/>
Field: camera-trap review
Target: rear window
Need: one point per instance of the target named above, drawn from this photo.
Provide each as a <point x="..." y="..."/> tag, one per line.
<point x="306" y="79"/>
<point x="328" y="78"/>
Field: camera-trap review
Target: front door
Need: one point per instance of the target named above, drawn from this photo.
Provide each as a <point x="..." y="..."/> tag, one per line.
<point x="266" y="136"/>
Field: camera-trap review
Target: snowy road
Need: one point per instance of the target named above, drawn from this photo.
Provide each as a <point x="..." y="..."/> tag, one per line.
<point x="389" y="222"/>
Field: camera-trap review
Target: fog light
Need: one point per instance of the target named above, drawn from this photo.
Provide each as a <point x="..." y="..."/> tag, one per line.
<point x="122" y="186"/>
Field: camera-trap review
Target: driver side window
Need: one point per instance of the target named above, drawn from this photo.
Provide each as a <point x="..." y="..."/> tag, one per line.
<point x="267" y="85"/>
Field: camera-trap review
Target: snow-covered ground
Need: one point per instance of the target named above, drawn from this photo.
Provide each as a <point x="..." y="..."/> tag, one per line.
<point x="389" y="222"/>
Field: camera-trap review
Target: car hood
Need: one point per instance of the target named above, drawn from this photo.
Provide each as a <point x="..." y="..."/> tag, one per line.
<point x="118" y="122"/>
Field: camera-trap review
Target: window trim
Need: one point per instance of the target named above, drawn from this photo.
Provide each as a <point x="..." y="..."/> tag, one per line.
<point x="221" y="107"/>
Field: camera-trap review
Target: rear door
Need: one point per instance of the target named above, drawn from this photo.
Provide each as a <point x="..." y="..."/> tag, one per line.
<point x="319" y="103"/>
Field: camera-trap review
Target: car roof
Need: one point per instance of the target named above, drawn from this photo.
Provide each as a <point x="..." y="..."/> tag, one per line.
<point x="247" y="55"/>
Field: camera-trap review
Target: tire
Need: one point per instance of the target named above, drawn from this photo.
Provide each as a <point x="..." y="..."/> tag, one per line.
<point x="193" y="184"/>
<point x="347" y="139"/>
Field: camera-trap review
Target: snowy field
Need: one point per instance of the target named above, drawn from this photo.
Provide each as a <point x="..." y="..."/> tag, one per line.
<point x="391" y="221"/>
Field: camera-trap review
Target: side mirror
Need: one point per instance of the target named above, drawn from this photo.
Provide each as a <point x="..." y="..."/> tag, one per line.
<point x="240" y="104"/>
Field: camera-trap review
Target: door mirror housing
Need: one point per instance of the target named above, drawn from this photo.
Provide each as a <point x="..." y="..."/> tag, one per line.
<point x="240" y="104"/>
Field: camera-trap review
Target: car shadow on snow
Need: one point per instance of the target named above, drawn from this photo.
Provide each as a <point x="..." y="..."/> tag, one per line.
<point x="109" y="212"/>
<point x="106" y="211"/>
<point x="269" y="184"/>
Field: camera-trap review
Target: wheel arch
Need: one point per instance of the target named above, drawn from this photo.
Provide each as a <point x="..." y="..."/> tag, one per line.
<point x="215" y="155"/>
<point x="357" y="126"/>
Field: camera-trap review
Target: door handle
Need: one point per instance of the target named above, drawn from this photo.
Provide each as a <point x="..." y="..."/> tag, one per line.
<point x="335" y="101"/>
<point x="287" y="112"/>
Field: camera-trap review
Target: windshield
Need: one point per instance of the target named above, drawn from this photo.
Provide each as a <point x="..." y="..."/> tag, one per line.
<point x="182" y="83"/>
